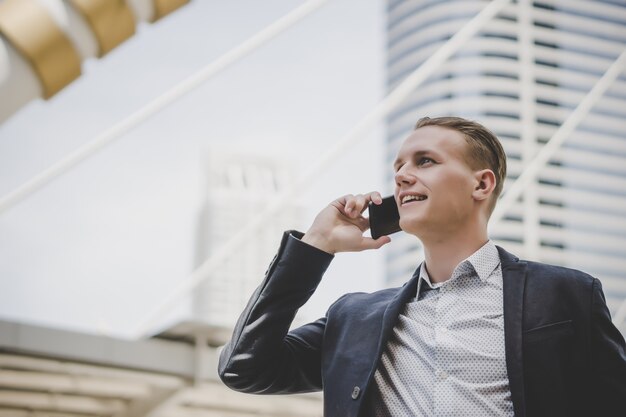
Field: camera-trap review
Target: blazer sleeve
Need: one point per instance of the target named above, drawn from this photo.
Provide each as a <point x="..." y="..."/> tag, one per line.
<point x="608" y="358"/>
<point x="263" y="357"/>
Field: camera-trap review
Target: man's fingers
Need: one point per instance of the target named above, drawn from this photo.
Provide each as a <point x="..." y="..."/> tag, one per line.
<point x="375" y="197"/>
<point x="360" y="204"/>
<point x="354" y="205"/>
<point x="357" y="204"/>
<point x="369" y="243"/>
<point x="344" y="204"/>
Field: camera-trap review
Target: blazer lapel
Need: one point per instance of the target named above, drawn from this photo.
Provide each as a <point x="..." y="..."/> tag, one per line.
<point x="389" y="319"/>
<point x="514" y="279"/>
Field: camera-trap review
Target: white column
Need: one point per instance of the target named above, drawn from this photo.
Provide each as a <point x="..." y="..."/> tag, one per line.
<point x="525" y="38"/>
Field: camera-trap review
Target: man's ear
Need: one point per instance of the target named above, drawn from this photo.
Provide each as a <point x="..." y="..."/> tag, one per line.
<point x="485" y="181"/>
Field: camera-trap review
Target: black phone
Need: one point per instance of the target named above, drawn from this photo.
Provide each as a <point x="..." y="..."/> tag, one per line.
<point x="384" y="218"/>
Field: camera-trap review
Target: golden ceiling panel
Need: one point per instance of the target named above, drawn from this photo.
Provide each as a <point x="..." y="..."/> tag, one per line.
<point x="165" y="7"/>
<point x="37" y="37"/>
<point x="111" y="21"/>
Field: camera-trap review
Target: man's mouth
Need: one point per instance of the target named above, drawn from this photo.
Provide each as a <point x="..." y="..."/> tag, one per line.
<point x="411" y="198"/>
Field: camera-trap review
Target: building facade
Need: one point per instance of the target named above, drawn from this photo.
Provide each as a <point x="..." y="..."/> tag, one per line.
<point x="522" y="76"/>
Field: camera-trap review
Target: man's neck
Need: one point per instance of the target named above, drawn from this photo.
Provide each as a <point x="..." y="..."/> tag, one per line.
<point x="442" y="255"/>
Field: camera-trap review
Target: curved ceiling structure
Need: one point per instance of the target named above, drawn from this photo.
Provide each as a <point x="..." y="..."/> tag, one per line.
<point x="44" y="42"/>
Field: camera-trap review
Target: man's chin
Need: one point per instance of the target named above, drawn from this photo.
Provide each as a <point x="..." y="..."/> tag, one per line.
<point x="411" y="225"/>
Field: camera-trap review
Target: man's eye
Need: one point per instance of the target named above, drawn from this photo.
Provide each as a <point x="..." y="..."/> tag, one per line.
<point x="424" y="160"/>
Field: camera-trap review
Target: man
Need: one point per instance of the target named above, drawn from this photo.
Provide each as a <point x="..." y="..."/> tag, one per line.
<point x="474" y="332"/>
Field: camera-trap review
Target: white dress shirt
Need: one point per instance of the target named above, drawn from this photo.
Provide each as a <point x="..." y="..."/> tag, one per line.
<point x="446" y="354"/>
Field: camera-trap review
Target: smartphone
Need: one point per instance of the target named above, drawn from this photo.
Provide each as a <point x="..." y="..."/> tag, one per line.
<point x="384" y="218"/>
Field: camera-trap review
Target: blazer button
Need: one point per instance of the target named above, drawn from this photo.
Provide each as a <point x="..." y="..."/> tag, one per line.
<point x="355" y="393"/>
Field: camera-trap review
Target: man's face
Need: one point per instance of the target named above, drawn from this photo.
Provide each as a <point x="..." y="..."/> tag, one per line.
<point x="434" y="183"/>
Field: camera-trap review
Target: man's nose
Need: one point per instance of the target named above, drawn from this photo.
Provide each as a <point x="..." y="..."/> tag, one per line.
<point x="403" y="177"/>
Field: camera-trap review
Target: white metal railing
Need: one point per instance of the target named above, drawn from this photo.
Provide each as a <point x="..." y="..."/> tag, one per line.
<point x="184" y="87"/>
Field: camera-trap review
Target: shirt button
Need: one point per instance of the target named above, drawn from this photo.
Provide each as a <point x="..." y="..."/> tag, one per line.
<point x="442" y="374"/>
<point x="355" y="393"/>
<point x="443" y="330"/>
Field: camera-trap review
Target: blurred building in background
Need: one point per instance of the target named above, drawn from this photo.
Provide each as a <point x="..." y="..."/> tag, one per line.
<point x="522" y="76"/>
<point x="239" y="185"/>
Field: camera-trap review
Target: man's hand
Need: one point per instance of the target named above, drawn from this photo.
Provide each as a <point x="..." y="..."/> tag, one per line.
<point x="340" y="226"/>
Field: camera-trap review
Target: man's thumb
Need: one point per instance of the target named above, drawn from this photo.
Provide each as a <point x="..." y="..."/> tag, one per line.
<point x="369" y="243"/>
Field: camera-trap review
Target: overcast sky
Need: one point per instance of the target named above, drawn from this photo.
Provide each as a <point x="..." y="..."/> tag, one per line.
<point x="106" y="242"/>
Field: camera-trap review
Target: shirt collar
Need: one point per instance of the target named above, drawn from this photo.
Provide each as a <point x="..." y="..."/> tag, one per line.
<point x="426" y="278"/>
<point x="484" y="261"/>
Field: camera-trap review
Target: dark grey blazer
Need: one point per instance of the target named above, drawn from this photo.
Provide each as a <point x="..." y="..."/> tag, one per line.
<point x="564" y="356"/>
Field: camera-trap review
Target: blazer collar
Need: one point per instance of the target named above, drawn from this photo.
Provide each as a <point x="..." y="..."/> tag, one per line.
<point x="408" y="291"/>
<point x="513" y="281"/>
<point x="389" y="319"/>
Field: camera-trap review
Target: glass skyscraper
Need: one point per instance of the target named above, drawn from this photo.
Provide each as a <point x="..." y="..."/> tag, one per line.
<point x="522" y="75"/>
